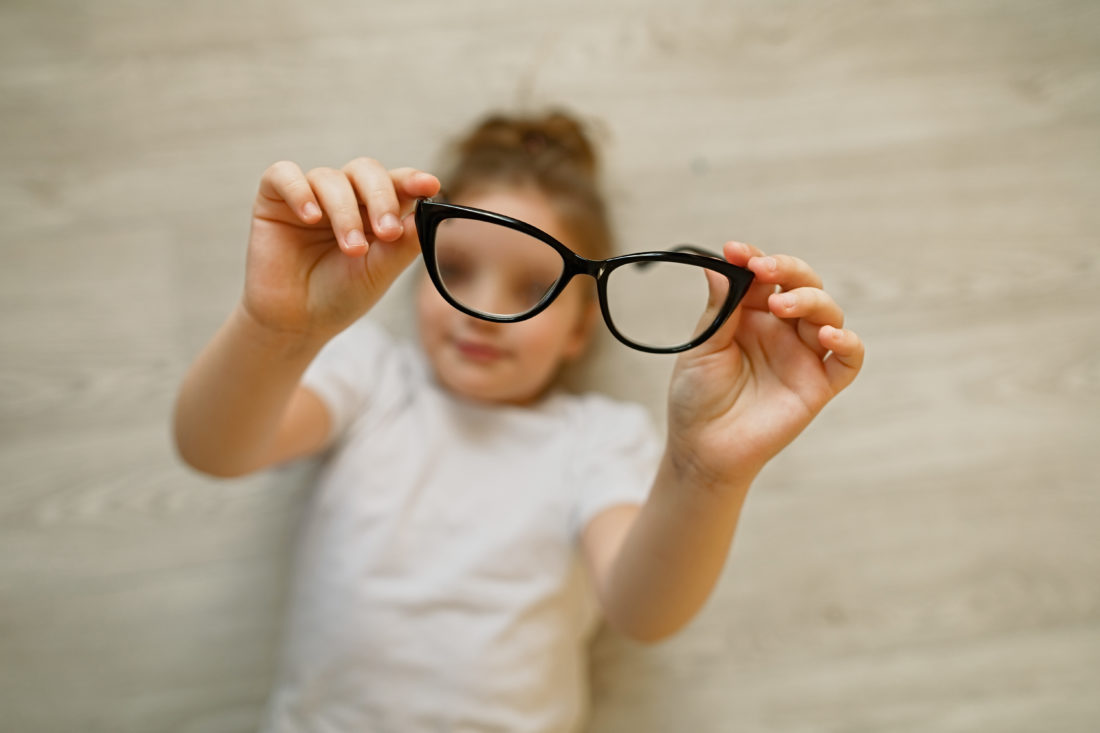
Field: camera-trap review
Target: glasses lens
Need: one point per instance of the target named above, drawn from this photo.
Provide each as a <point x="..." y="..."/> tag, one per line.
<point x="664" y="305"/>
<point x="493" y="269"/>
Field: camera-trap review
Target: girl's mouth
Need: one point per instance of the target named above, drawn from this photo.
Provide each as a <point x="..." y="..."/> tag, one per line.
<point x="478" y="351"/>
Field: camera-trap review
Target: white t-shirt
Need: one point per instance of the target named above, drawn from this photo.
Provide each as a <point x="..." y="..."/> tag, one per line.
<point x="439" y="581"/>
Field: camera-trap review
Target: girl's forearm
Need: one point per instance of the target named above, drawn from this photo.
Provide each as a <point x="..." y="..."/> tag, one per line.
<point x="673" y="554"/>
<point x="229" y="406"/>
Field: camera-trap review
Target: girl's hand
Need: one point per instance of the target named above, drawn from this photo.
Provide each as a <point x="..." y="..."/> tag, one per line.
<point x="740" y="397"/>
<point x="325" y="245"/>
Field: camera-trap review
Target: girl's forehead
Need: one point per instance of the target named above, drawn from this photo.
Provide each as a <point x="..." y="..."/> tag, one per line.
<point x="526" y="204"/>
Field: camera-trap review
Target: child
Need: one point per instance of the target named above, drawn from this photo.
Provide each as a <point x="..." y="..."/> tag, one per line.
<point x="473" y="521"/>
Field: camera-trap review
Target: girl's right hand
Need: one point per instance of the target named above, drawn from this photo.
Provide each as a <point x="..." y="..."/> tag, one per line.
<point x="325" y="245"/>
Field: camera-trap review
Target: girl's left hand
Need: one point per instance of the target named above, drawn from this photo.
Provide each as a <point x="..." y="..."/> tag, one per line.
<point x="740" y="397"/>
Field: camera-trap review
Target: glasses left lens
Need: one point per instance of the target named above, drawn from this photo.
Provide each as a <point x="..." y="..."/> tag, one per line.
<point x="493" y="269"/>
<point x="664" y="305"/>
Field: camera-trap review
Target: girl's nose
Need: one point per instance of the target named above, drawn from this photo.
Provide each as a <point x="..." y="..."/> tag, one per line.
<point x="492" y="294"/>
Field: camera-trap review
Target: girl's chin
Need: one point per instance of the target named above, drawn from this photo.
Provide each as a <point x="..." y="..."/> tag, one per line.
<point x="482" y="391"/>
<point x="471" y="387"/>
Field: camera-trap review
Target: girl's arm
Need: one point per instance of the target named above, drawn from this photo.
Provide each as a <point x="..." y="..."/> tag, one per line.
<point x="734" y="402"/>
<point x="324" y="246"/>
<point x="656" y="564"/>
<point x="240" y="408"/>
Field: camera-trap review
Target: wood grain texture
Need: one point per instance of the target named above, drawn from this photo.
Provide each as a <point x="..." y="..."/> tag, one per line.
<point x="924" y="558"/>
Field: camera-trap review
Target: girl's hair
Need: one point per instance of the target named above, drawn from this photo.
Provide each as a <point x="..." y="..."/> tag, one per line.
<point x="550" y="153"/>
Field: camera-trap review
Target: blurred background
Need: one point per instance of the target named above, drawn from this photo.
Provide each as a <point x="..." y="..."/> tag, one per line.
<point x="926" y="557"/>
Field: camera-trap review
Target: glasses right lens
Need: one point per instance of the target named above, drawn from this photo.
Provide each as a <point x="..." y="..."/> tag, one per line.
<point x="663" y="305"/>
<point x="493" y="269"/>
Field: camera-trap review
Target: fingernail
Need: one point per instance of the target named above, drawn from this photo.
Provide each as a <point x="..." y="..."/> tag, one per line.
<point x="389" y="221"/>
<point x="786" y="300"/>
<point x="311" y="210"/>
<point x="770" y="264"/>
<point x="356" y="239"/>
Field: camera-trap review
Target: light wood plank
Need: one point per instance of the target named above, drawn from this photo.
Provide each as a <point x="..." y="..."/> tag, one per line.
<point x="924" y="558"/>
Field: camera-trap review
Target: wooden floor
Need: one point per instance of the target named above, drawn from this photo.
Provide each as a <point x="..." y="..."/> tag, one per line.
<point x="926" y="557"/>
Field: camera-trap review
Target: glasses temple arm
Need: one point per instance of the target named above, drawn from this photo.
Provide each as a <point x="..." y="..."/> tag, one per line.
<point x="686" y="248"/>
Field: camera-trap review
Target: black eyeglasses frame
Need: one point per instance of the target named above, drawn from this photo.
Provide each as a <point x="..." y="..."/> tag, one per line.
<point x="430" y="214"/>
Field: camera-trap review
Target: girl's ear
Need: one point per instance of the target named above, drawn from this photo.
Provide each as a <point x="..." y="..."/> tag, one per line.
<point x="582" y="331"/>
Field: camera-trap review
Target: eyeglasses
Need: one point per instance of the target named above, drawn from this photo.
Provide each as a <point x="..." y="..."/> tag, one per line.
<point x="503" y="270"/>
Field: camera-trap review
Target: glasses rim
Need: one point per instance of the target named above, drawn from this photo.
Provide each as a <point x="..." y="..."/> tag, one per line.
<point x="430" y="213"/>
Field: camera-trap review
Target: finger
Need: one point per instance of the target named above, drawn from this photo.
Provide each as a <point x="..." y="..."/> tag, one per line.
<point x="375" y="189"/>
<point x="718" y="286"/>
<point x="813" y="308"/>
<point x="784" y="270"/>
<point x="334" y="191"/>
<point x="739" y="253"/>
<point x="808" y="303"/>
<point x="284" y="181"/>
<point x="412" y="184"/>
<point x="846" y="359"/>
<point x="385" y="263"/>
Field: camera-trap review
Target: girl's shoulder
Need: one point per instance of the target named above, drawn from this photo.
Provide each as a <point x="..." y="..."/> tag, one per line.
<point x="362" y="369"/>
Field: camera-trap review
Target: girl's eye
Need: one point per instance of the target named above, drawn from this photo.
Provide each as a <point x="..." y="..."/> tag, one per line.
<point x="453" y="272"/>
<point x="530" y="292"/>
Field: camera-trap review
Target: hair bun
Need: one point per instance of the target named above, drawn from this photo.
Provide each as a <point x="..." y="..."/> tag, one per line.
<point x="550" y="153"/>
<point x="552" y="139"/>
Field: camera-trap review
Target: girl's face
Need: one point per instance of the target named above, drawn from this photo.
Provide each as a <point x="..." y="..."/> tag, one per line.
<point x="509" y="363"/>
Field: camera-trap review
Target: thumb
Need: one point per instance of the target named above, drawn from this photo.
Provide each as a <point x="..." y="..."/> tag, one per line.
<point x="717" y="290"/>
<point x="386" y="260"/>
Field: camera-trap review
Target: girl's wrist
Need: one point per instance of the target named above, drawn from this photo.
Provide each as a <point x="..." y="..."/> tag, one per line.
<point x="281" y="343"/>
<point x="684" y="467"/>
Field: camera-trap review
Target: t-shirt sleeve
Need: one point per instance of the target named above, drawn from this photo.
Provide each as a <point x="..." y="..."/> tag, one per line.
<point x="616" y="459"/>
<point x="351" y="371"/>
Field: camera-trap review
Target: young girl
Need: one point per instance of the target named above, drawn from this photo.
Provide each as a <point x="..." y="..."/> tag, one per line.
<point x="474" y="521"/>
